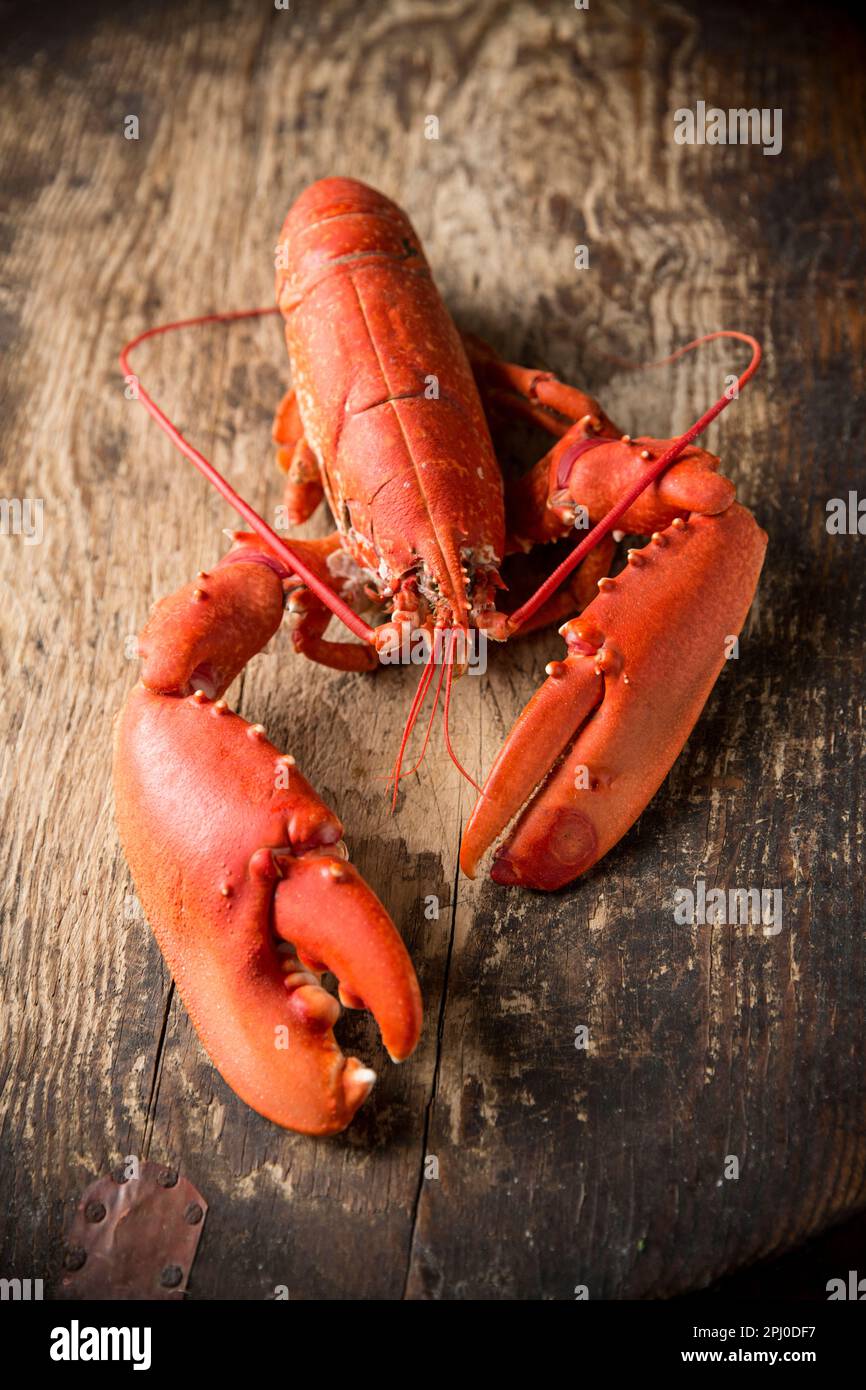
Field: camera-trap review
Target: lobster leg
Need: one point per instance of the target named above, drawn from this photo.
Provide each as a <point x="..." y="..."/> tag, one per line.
<point x="576" y="593"/>
<point x="593" y="462"/>
<point x="234" y="856"/>
<point x="540" y="396"/>
<point x="310" y="616"/>
<point x="600" y="735"/>
<point x="303" y="490"/>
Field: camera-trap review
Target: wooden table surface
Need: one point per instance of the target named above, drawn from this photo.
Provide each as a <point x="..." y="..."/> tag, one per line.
<point x="557" y="1167"/>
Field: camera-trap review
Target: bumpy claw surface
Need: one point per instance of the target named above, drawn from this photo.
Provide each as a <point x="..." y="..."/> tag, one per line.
<point x="598" y="738"/>
<point x="234" y="856"/>
<point x="595" y="473"/>
<point x="201" y="637"/>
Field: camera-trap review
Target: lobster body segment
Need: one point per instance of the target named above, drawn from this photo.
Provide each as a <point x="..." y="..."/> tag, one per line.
<point x="388" y="401"/>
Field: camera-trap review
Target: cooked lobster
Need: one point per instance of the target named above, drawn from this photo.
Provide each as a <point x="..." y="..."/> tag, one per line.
<point x="239" y="865"/>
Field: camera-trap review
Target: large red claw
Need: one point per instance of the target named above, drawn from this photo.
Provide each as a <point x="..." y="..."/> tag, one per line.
<point x="599" y="737"/>
<point x="539" y="738"/>
<point x="233" y="854"/>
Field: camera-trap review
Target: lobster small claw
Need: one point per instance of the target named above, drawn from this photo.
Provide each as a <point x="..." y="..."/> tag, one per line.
<point x="599" y="736"/>
<point x="234" y="856"/>
<point x="351" y="935"/>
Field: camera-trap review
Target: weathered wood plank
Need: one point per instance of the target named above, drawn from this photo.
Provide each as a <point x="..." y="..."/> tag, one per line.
<point x="555" y="1167"/>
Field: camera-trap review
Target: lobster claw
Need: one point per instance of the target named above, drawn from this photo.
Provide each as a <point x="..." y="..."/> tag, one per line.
<point x="233" y="855"/>
<point x="600" y="735"/>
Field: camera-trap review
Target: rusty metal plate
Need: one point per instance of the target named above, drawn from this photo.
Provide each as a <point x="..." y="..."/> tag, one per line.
<point x="134" y="1234"/>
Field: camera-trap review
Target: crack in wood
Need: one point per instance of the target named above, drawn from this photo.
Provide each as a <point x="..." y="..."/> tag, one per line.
<point x="434" y="1083"/>
<point x="156" y="1074"/>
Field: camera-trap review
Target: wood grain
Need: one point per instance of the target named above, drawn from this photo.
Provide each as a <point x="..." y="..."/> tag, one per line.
<point x="557" y="1167"/>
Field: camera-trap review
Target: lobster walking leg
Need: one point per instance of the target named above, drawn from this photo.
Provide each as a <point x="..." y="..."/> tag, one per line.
<point x="576" y="593"/>
<point x="592" y="463"/>
<point x="310" y="615"/>
<point x="303" y="491"/>
<point x="539" y="395"/>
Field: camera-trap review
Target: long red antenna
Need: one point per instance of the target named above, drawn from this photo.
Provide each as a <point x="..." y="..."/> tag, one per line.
<point x="415" y="709"/>
<point x="338" y="607"/>
<point x="427" y="732"/>
<point x="608" y="522"/>
<point x="447" y="671"/>
<point x="447" y="710"/>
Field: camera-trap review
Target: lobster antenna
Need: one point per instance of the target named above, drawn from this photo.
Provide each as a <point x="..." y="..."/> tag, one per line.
<point x="429" y="728"/>
<point x="452" y="755"/>
<point x="423" y="686"/>
<point x="415" y="708"/>
<point x="608" y="522"/>
<point x="338" y="607"/>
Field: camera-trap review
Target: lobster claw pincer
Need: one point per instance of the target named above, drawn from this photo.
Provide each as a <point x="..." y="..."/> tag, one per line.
<point x="599" y="736"/>
<point x="234" y="855"/>
<point x="335" y="922"/>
